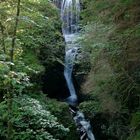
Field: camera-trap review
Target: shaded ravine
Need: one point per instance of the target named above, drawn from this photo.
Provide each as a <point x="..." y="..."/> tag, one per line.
<point x="70" y="12"/>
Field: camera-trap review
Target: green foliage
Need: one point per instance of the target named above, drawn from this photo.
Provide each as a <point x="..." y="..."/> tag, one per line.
<point x="111" y="36"/>
<point x="135" y="122"/>
<point x="38" y="44"/>
<point x="90" y="108"/>
<point x="31" y="120"/>
<point x="38" y="35"/>
<point x="126" y="2"/>
<point x="107" y="43"/>
<point x="61" y="110"/>
<point x="135" y="137"/>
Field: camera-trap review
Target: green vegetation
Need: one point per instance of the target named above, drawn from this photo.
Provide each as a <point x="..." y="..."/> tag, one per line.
<point x="31" y="120"/>
<point x="31" y="44"/>
<point x="30" y="41"/>
<point x="111" y="39"/>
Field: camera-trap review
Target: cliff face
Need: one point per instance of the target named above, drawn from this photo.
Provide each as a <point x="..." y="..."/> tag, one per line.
<point x="112" y="38"/>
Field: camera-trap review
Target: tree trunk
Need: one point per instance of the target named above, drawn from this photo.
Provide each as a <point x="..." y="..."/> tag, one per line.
<point x="11" y="91"/>
<point x="2" y="33"/>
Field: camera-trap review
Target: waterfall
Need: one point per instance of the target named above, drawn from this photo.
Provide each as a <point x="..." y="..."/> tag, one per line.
<point x="83" y="126"/>
<point x="70" y="11"/>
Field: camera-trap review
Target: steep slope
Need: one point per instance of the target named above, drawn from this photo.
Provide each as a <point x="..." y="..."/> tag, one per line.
<point x="112" y="87"/>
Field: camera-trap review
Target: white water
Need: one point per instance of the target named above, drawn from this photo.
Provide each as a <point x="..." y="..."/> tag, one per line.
<point x="70" y="11"/>
<point x="80" y="119"/>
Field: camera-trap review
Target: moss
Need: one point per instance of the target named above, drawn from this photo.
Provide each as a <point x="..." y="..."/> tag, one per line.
<point x="135" y="121"/>
<point x="135" y="136"/>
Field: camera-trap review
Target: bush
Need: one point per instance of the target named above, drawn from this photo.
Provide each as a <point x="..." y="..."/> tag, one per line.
<point x="31" y="121"/>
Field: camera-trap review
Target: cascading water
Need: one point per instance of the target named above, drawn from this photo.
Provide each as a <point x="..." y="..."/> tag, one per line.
<point x="70" y="11"/>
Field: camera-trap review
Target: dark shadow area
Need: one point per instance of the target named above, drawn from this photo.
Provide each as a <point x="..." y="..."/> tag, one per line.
<point x="54" y="83"/>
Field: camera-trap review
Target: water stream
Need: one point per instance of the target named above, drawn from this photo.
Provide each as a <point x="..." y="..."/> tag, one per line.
<point x="70" y="12"/>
